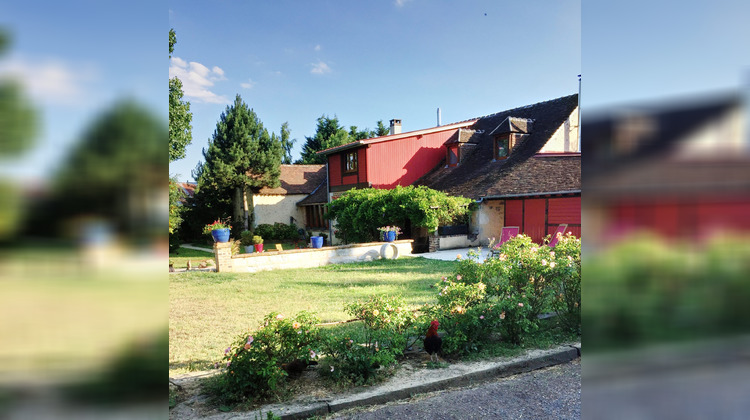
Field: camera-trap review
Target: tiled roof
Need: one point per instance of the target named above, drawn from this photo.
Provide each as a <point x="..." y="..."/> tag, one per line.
<point x="319" y="196"/>
<point x="523" y="172"/>
<point x="297" y="179"/>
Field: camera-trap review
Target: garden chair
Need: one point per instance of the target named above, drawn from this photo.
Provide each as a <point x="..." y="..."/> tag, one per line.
<point x="561" y="230"/>
<point x="506" y="233"/>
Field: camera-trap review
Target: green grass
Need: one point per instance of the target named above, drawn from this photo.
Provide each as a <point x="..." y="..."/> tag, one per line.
<point x="209" y="310"/>
<point x="181" y="256"/>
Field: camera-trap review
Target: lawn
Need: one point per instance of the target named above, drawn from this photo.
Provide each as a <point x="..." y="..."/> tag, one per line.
<point x="209" y="310"/>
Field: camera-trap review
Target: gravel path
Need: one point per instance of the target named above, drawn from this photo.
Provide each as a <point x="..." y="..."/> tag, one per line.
<point x="551" y="393"/>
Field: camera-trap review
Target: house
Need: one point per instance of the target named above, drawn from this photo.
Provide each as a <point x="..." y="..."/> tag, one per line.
<point x="522" y="166"/>
<point x="680" y="169"/>
<point x="299" y="199"/>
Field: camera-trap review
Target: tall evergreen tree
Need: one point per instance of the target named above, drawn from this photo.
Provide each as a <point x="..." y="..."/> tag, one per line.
<point x="286" y="144"/>
<point x="242" y="156"/>
<point x="328" y="134"/>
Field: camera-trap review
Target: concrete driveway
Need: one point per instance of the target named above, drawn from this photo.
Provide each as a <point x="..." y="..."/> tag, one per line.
<point x="452" y="254"/>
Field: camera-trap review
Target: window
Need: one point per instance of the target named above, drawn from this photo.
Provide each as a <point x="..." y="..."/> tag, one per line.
<point x="503" y="145"/>
<point x="350" y="162"/>
<point x="452" y="157"/>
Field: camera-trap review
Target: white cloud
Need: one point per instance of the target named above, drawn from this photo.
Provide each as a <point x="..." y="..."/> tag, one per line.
<point x="320" y="68"/>
<point x="317" y="47"/>
<point x="248" y="85"/>
<point x="197" y="80"/>
<point x="51" y="80"/>
<point x="400" y="3"/>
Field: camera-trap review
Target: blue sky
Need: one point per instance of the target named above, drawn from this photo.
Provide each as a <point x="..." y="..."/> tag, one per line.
<point x="75" y="60"/>
<point x="369" y="61"/>
<point x="362" y="61"/>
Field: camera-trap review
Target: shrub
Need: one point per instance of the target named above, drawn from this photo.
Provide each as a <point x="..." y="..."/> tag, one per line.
<point x="246" y="237"/>
<point x="253" y="366"/>
<point x="564" y="275"/>
<point x="386" y="322"/>
<point x="359" y="212"/>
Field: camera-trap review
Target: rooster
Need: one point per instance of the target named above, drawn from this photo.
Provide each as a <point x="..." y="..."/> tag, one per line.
<point x="432" y="343"/>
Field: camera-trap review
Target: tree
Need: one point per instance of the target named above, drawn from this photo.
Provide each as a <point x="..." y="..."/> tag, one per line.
<point x="330" y="134"/>
<point x="180" y="130"/>
<point x="17" y="131"/>
<point x="381" y="130"/>
<point x="243" y="157"/>
<point x="112" y="173"/>
<point x="286" y="144"/>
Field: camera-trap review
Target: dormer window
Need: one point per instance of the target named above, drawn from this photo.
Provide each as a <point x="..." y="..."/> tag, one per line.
<point x="503" y="145"/>
<point x="452" y="155"/>
<point x="350" y="162"/>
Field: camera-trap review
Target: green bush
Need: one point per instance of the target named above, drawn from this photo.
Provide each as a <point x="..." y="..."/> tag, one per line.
<point x="359" y="212"/>
<point x="386" y="322"/>
<point x="277" y="231"/>
<point x="647" y="290"/>
<point x="253" y="365"/>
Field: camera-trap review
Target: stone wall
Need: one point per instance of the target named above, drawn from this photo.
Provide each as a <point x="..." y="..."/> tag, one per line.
<point x="306" y="258"/>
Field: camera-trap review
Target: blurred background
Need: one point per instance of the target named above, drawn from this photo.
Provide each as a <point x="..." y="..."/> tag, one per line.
<point x="666" y="206"/>
<point x="83" y="209"/>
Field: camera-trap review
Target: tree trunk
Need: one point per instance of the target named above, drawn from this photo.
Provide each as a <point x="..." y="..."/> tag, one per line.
<point x="249" y="210"/>
<point x="238" y="215"/>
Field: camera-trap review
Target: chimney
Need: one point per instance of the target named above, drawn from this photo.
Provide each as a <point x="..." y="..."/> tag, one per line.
<point x="438" y="116"/>
<point x="395" y="126"/>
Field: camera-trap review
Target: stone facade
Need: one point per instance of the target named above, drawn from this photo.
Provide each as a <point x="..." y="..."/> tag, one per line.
<point x="306" y="258"/>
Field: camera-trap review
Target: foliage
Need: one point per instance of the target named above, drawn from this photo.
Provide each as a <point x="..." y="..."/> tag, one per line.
<point x="257" y="240"/>
<point x="175" y="207"/>
<point x="386" y="320"/>
<point x="254" y="365"/>
<point x="217" y="224"/>
<point x="286" y="144"/>
<point x="329" y="133"/>
<point x="278" y="231"/>
<point x="246" y="238"/>
<point x="565" y="274"/>
<point x="646" y="290"/>
<point x="241" y="157"/>
<point x="180" y="117"/>
<point x="109" y="173"/>
<point x="359" y="212"/>
<point x="505" y="294"/>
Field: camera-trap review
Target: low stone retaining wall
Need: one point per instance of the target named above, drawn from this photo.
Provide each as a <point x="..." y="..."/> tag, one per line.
<point x="308" y="257"/>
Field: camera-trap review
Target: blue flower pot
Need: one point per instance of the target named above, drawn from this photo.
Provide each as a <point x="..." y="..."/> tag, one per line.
<point x="220" y="235"/>
<point x="317" y="241"/>
<point x="390" y="236"/>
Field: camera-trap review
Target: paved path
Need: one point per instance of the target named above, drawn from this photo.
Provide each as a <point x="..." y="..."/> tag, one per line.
<point x="451" y="254"/>
<point x="198" y="248"/>
<point x="550" y="393"/>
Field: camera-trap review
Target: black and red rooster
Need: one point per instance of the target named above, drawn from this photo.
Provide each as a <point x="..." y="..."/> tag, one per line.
<point x="432" y="342"/>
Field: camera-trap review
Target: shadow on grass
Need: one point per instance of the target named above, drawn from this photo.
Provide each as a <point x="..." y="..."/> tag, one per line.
<point x="193" y="365"/>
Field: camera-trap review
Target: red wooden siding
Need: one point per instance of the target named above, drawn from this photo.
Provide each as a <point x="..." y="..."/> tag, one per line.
<point x="534" y="219"/>
<point x="334" y="170"/>
<point x="403" y="161"/>
<point x="564" y="210"/>
<point x="514" y="213"/>
<point x="693" y="217"/>
<point x="539" y="217"/>
<point x="362" y="164"/>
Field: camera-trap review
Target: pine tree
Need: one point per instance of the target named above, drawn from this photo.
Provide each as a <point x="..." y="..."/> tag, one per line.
<point x="243" y="156"/>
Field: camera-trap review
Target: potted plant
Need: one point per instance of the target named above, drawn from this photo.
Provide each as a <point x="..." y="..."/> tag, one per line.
<point x="389" y="233"/>
<point x="246" y="238"/>
<point x="316" y="241"/>
<point x="258" y="243"/>
<point x="219" y="230"/>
